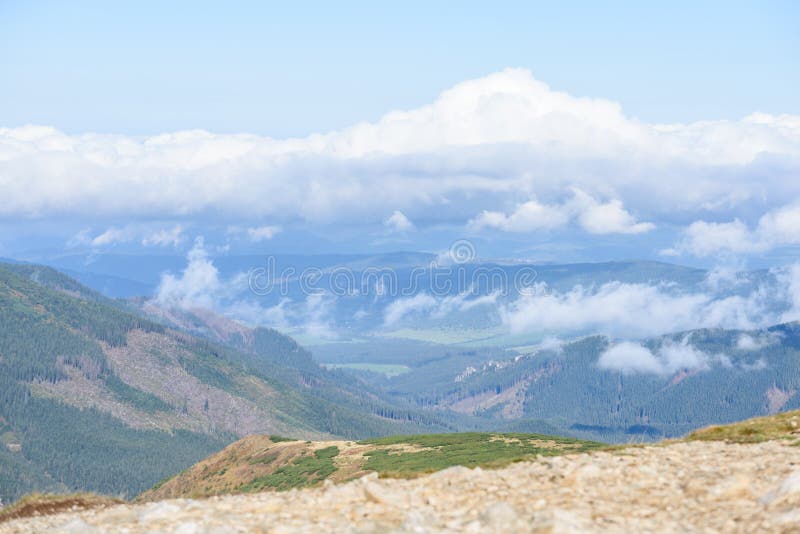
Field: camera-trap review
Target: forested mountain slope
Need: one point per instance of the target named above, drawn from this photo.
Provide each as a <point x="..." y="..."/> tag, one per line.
<point x="694" y="379"/>
<point x="93" y="397"/>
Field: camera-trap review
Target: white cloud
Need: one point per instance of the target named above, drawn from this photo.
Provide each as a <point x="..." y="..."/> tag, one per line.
<point x="704" y="239"/>
<point x="162" y="238"/>
<point x="678" y="356"/>
<point x="481" y="146"/>
<point x="262" y="233"/>
<point x="781" y="226"/>
<point x="398" y="222"/>
<point x="436" y="307"/>
<point x="751" y="343"/>
<point x="113" y="236"/>
<point x="404" y="306"/>
<point x="250" y="312"/>
<point x="83" y="237"/>
<point x="198" y="286"/>
<point x="670" y="357"/>
<point x="726" y="277"/>
<point x="790" y="278"/>
<point x="529" y="216"/>
<point x="633" y="358"/>
<point x="607" y="218"/>
<point x="628" y="310"/>
<point x="462" y="302"/>
<point x="630" y="358"/>
<point x="775" y="228"/>
<point x="317" y="316"/>
<point x="593" y="216"/>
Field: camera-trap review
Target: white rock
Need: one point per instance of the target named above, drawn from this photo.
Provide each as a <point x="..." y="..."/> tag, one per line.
<point x="369" y="476"/>
<point x="158" y="512"/>
<point x="790" y="486"/>
<point x="76" y="526"/>
<point x="500" y="517"/>
<point x="792" y="516"/>
<point x="567" y="522"/>
<point x="454" y="472"/>
<point x="190" y="528"/>
<point x="380" y="494"/>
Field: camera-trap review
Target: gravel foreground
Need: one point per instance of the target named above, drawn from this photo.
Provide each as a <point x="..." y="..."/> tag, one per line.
<point x="680" y="487"/>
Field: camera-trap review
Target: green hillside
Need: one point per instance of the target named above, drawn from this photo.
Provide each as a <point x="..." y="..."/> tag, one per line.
<point x="564" y="388"/>
<point x="96" y="398"/>
<point x="267" y="463"/>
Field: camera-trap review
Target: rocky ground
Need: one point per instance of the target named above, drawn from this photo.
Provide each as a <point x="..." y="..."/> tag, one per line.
<point x="679" y="487"/>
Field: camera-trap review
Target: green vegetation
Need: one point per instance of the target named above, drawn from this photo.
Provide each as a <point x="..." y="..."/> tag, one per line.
<point x="138" y="398"/>
<point x="303" y="471"/>
<point x="277" y="439"/>
<point x="256" y="463"/>
<point x="54" y="330"/>
<point x="42" y="327"/>
<point x="564" y="392"/>
<point x="91" y="450"/>
<point x="266" y="460"/>
<point x="47" y="331"/>
<point x="784" y="426"/>
<point x="470" y="449"/>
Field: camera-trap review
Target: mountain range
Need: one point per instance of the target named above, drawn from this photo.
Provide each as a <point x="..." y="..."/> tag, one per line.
<point x="93" y="385"/>
<point x="96" y="396"/>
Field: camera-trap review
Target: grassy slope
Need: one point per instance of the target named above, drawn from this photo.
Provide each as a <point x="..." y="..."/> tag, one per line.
<point x="259" y="463"/>
<point x="783" y="426"/>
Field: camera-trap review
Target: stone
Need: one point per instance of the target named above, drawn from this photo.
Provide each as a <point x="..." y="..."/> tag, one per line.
<point x="76" y="526"/>
<point x="158" y="511"/>
<point x="737" y="486"/>
<point x="789" y="487"/>
<point x="380" y="494"/>
<point x="501" y="517"/>
<point x="672" y="487"/>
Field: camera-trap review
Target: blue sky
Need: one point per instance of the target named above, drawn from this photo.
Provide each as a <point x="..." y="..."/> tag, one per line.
<point x="569" y="131"/>
<point x="291" y="69"/>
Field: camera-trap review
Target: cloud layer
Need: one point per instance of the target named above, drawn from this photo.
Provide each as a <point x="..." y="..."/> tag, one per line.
<point x="633" y="358"/>
<point x="775" y="228"/>
<point x="593" y="216"/>
<point x="638" y="310"/>
<point x="503" y="151"/>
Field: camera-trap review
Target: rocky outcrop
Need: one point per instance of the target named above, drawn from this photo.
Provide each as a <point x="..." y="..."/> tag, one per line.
<point x="677" y="487"/>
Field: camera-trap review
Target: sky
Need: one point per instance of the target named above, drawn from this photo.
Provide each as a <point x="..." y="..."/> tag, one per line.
<point x="570" y="131"/>
<point x="291" y="69"/>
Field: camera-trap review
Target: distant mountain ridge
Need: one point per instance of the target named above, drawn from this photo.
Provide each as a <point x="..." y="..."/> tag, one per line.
<point x="726" y="380"/>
